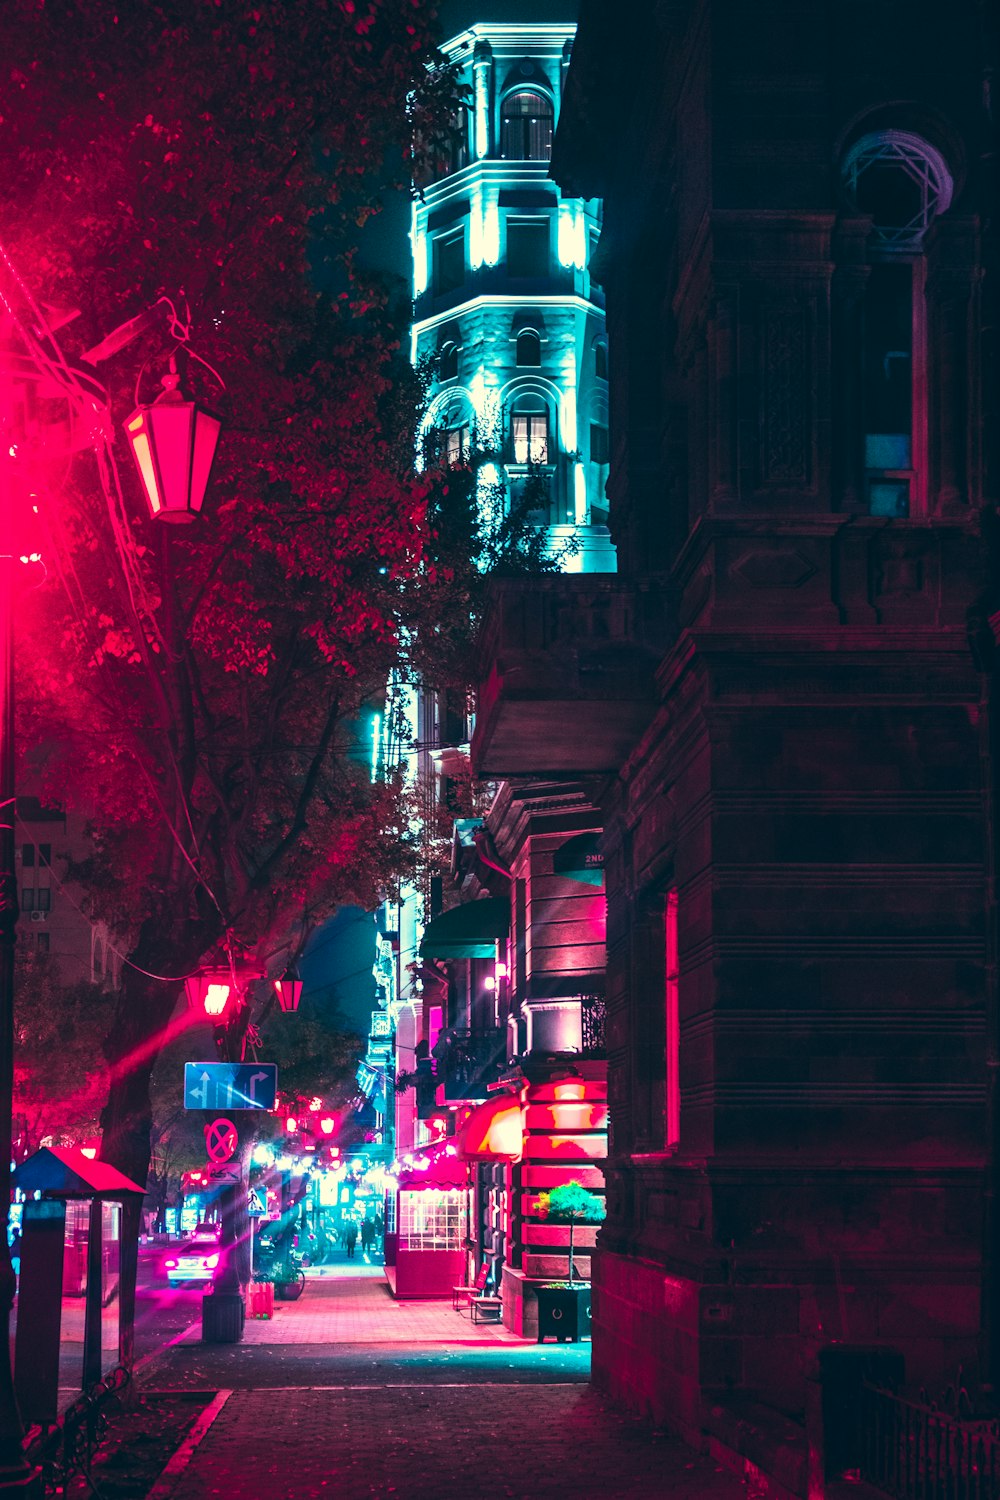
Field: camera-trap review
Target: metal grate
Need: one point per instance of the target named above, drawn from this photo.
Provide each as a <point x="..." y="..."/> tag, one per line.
<point x="915" y="1451"/>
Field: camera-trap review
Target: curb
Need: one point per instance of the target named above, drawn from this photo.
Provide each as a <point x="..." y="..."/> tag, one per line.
<point x="185" y="1451"/>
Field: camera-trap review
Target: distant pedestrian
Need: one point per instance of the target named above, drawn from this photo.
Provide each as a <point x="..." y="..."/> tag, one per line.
<point x="351" y="1238"/>
<point x="367" y="1235"/>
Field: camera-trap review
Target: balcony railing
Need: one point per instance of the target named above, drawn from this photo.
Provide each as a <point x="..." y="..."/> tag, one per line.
<point x="467" y="1061"/>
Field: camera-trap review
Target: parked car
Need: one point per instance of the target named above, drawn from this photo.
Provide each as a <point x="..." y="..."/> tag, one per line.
<point x="192" y="1260"/>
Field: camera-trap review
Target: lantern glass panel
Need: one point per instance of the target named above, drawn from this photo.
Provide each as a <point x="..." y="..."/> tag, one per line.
<point x="172" y="424"/>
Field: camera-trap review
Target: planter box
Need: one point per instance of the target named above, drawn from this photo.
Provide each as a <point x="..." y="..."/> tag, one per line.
<point x="564" y="1313"/>
<point x="260" y="1299"/>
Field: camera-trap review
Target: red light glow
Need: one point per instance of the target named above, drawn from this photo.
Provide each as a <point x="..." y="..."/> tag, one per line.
<point x="216" y="999"/>
<point x="327" y="1124"/>
<point x="291" y="1124"/>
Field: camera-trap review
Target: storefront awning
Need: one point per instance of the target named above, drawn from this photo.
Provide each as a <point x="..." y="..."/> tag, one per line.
<point x="494" y="1131"/>
<point x="580" y="858"/>
<point x="438" y="1166"/>
<point x="469" y="931"/>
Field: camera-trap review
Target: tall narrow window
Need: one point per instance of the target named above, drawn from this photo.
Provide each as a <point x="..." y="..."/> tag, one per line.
<point x="448" y="362"/>
<point x="672" y="1121"/>
<point x="601" y="360"/>
<point x="526" y="120"/>
<point x="449" y="262"/>
<point x="529" y="348"/>
<point x="530" y="433"/>
<point x="902" y="183"/>
<point x="528" y="248"/>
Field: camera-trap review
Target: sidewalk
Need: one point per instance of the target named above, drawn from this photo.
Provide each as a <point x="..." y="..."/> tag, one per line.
<point x="348" y="1393"/>
<point x="352" y="1304"/>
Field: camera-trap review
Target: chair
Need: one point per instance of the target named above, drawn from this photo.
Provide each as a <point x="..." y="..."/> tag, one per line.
<point x="462" y="1296"/>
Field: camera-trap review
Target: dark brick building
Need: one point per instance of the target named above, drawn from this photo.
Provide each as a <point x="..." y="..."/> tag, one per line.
<point x="775" y="703"/>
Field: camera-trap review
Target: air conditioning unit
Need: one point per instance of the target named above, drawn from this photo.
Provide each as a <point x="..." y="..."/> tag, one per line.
<point x="39" y="916"/>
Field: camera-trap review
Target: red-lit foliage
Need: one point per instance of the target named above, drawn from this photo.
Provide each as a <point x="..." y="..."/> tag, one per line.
<point x="197" y="691"/>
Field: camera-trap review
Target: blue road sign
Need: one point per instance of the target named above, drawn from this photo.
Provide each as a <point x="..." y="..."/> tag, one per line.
<point x="213" y="1085"/>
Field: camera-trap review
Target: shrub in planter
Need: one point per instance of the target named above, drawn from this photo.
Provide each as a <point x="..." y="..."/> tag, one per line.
<point x="571" y="1204"/>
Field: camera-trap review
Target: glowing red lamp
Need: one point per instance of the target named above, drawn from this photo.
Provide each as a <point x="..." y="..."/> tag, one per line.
<point x="210" y="991"/>
<point x="288" y="988"/>
<point x="327" y="1124"/>
<point x="291" y="1124"/>
<point x="173" y="443"/>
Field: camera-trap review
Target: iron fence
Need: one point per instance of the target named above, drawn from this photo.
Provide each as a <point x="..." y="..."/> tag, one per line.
<point x="593" y="1018"/>
<point x="916" y="1450"/>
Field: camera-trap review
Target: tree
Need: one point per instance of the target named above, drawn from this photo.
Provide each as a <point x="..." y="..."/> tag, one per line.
<point x="60" y="1078"/>
<point x="197" y="689"/>
<point x="571" y="1204"/>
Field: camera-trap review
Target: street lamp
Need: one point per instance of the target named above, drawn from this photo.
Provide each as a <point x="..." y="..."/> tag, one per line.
<point x="288" y="988"/>
<point x="210" y="990"/>
<point x="173" y="442"/>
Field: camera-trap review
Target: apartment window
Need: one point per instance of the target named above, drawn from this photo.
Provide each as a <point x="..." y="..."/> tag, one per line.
<point x="529" y="348"/>
<point x="28" y="856"/>
<point x="45" y="854"/>
<point x="601" y="361"/>
<point x="528" y="248"/>
<point x="672" y="1122"/>
<point x="42" y="940"/>
<point x="449" y="262"/>
<point x="456" y="445"/>
<point x="526" y="120"/>
<point x="43" y="899"/>
<point x="598" y="443"/>
<point x="530" y="434"/>
<point x="902" y="182"/>
<point x="26" y="898"/>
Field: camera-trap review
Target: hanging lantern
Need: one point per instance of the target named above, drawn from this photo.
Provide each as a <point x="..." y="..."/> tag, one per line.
<point x="288" y="988"/>
<point x="210" y="990"/>
<point x="173" y="443"/>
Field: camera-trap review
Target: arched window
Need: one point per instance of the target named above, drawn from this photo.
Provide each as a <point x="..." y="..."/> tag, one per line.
<point x="529" y="348"/>
<point x="601" y="360"/>
<point x="529" y="430"/>
<point x="448" y="361"/>
<point x="526" y="120"/>
<point x="902" y="182"/>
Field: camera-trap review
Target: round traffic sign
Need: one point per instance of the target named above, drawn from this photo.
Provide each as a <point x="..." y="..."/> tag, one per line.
<point x="221" y="1140"/>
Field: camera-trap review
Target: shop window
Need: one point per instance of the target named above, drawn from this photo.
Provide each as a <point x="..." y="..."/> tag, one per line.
<point x="529" y="348"/>
<point x="528" y="248"/>
<point x="432" y="1219"/>
<point x="449" y="262"/>
<point x="526" y="120"/>
<point x="672" y="1122"/>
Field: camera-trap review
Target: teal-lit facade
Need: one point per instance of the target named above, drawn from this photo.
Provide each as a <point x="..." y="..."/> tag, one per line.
<point x="505" y="311"/>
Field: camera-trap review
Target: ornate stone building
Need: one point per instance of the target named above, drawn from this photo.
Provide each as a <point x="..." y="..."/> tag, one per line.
<point x="775" y="703"/>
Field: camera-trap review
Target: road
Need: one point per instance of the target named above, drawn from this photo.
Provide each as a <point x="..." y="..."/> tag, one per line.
<point x="161" y="1311"/>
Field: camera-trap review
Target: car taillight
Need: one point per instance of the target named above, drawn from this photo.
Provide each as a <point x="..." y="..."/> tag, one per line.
<point x="210" y="1260"/>
<point x="170" y="1264"/>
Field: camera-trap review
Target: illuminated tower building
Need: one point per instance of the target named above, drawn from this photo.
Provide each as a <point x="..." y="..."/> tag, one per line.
<point x="506" y="316"/>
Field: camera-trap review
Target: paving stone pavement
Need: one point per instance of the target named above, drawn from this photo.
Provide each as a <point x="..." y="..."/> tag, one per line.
<point x="423" y="1443"/>
<point x="348" y="1393"/>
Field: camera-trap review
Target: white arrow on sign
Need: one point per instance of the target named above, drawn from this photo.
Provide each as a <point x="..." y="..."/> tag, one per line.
<point x="204" y="1090"/>
<point x="253" y="1084"/>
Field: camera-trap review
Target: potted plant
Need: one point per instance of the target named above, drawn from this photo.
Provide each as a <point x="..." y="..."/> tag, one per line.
<point x="564" y="1307"/>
